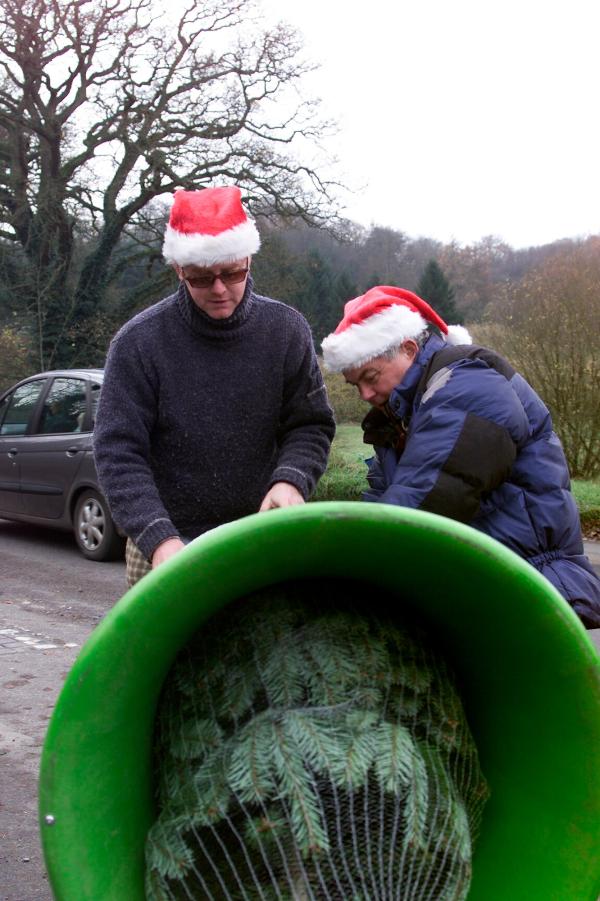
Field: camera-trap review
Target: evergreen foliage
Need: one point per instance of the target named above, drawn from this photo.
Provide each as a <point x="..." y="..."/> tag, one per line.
<point x="308" y="749"/>
<point x="315" y="295"/>
<point x="435" y="288"/>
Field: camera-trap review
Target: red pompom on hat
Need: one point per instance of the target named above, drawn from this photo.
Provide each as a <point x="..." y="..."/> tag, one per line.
<point x="208" y="227"/>
<point x="375" y="322"/>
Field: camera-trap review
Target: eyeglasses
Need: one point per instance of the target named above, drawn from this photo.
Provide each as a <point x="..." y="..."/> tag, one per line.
<point x="228" y="277"/>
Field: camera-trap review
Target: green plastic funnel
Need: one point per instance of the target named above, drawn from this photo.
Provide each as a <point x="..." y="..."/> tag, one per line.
<point x="530" y="679"/>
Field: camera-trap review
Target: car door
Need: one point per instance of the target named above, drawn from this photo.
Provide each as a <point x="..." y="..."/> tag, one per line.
<point x="51" y="455"/>
<point x="16" y="413"/>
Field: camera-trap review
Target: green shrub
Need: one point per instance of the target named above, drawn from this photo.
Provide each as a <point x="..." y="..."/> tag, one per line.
<point x="344" y="398"/>
<point x="14" y="357"/>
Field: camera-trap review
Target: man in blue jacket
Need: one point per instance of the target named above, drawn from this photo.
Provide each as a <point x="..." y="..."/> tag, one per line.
<point x="458" y="432"/>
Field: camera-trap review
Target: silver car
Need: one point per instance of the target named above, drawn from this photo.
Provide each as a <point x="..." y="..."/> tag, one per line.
<point x="47" y="472"/>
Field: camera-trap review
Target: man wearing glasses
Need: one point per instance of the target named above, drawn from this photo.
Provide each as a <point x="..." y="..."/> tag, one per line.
<point x="213" y="405"/>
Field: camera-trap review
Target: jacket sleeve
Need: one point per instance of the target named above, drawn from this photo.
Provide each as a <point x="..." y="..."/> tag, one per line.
<point x="462" y="443"/>
<point x="307" y="424"/>
<point x="126" y="414"/>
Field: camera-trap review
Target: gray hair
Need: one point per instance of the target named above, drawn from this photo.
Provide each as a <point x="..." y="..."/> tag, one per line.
<point x="392" y="352"/>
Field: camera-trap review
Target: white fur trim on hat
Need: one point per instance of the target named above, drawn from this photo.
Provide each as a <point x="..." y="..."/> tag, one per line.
<point x="457" y="334"/>
<point x="366" y="340"/>
<point x="207" y="250"/>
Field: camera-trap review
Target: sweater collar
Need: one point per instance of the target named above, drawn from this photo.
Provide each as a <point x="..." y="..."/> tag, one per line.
<point x="205" y="325"/>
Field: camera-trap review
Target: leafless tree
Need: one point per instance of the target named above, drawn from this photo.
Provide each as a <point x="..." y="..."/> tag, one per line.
<point x="106" y="107"/>
<point x="547" y="325"/>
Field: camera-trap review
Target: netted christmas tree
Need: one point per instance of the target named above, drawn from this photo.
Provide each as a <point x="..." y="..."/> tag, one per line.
<point x="309" y="749"/>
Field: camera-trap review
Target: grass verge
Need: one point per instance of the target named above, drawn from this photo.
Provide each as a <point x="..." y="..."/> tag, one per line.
<point x="346" y="475"/>
<point x="587" y="495"/>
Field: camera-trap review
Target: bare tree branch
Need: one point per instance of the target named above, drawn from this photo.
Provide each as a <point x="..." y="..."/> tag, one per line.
<point x="104" y="106"/>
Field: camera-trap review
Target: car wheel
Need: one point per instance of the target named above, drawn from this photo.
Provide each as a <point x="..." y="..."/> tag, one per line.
<point x="95" y="532"/>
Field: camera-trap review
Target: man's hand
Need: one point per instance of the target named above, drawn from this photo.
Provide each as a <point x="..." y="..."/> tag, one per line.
<point x="165" y="550"/>
<point x="281" y="494"/>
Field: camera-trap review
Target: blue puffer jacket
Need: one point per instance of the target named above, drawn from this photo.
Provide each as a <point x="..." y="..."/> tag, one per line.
<point x="468" y="438"/>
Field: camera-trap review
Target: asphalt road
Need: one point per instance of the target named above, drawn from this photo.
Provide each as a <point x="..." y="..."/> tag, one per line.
<point x="50" y="600"/>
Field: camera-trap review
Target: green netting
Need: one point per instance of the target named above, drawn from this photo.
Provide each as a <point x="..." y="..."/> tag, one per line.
<point x="309" y="746"/>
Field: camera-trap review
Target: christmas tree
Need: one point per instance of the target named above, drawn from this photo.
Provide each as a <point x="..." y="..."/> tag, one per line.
<point x="309" y="746"/>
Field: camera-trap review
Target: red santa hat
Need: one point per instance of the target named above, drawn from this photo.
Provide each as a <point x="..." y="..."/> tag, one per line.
<point x="375" y="322"/>
<point x="208" y="227"/>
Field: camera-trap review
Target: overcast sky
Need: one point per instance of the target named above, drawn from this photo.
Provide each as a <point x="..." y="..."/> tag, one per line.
<point x="462" y="118"/>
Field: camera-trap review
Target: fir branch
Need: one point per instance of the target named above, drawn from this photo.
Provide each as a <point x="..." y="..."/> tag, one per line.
<point x="211" y="786"/>
<point x="167" y="852"/>
<point x="283" y="673"/>
<point x="316" y="738"/>
<point x="296" y="785"/>
<point x="196" y="738"/>
<point x="416" y="803"/>
<point x="355" y="751"/>
<point x="250" y="774"/>
<point x="395" y="757"/>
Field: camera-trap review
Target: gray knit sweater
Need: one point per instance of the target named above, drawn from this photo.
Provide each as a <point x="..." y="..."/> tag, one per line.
<point x="199" y="417"/>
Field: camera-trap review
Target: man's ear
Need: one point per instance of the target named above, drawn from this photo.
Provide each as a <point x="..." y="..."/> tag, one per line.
<point x="410" y="348"/>
<point x="178" y="270"/>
